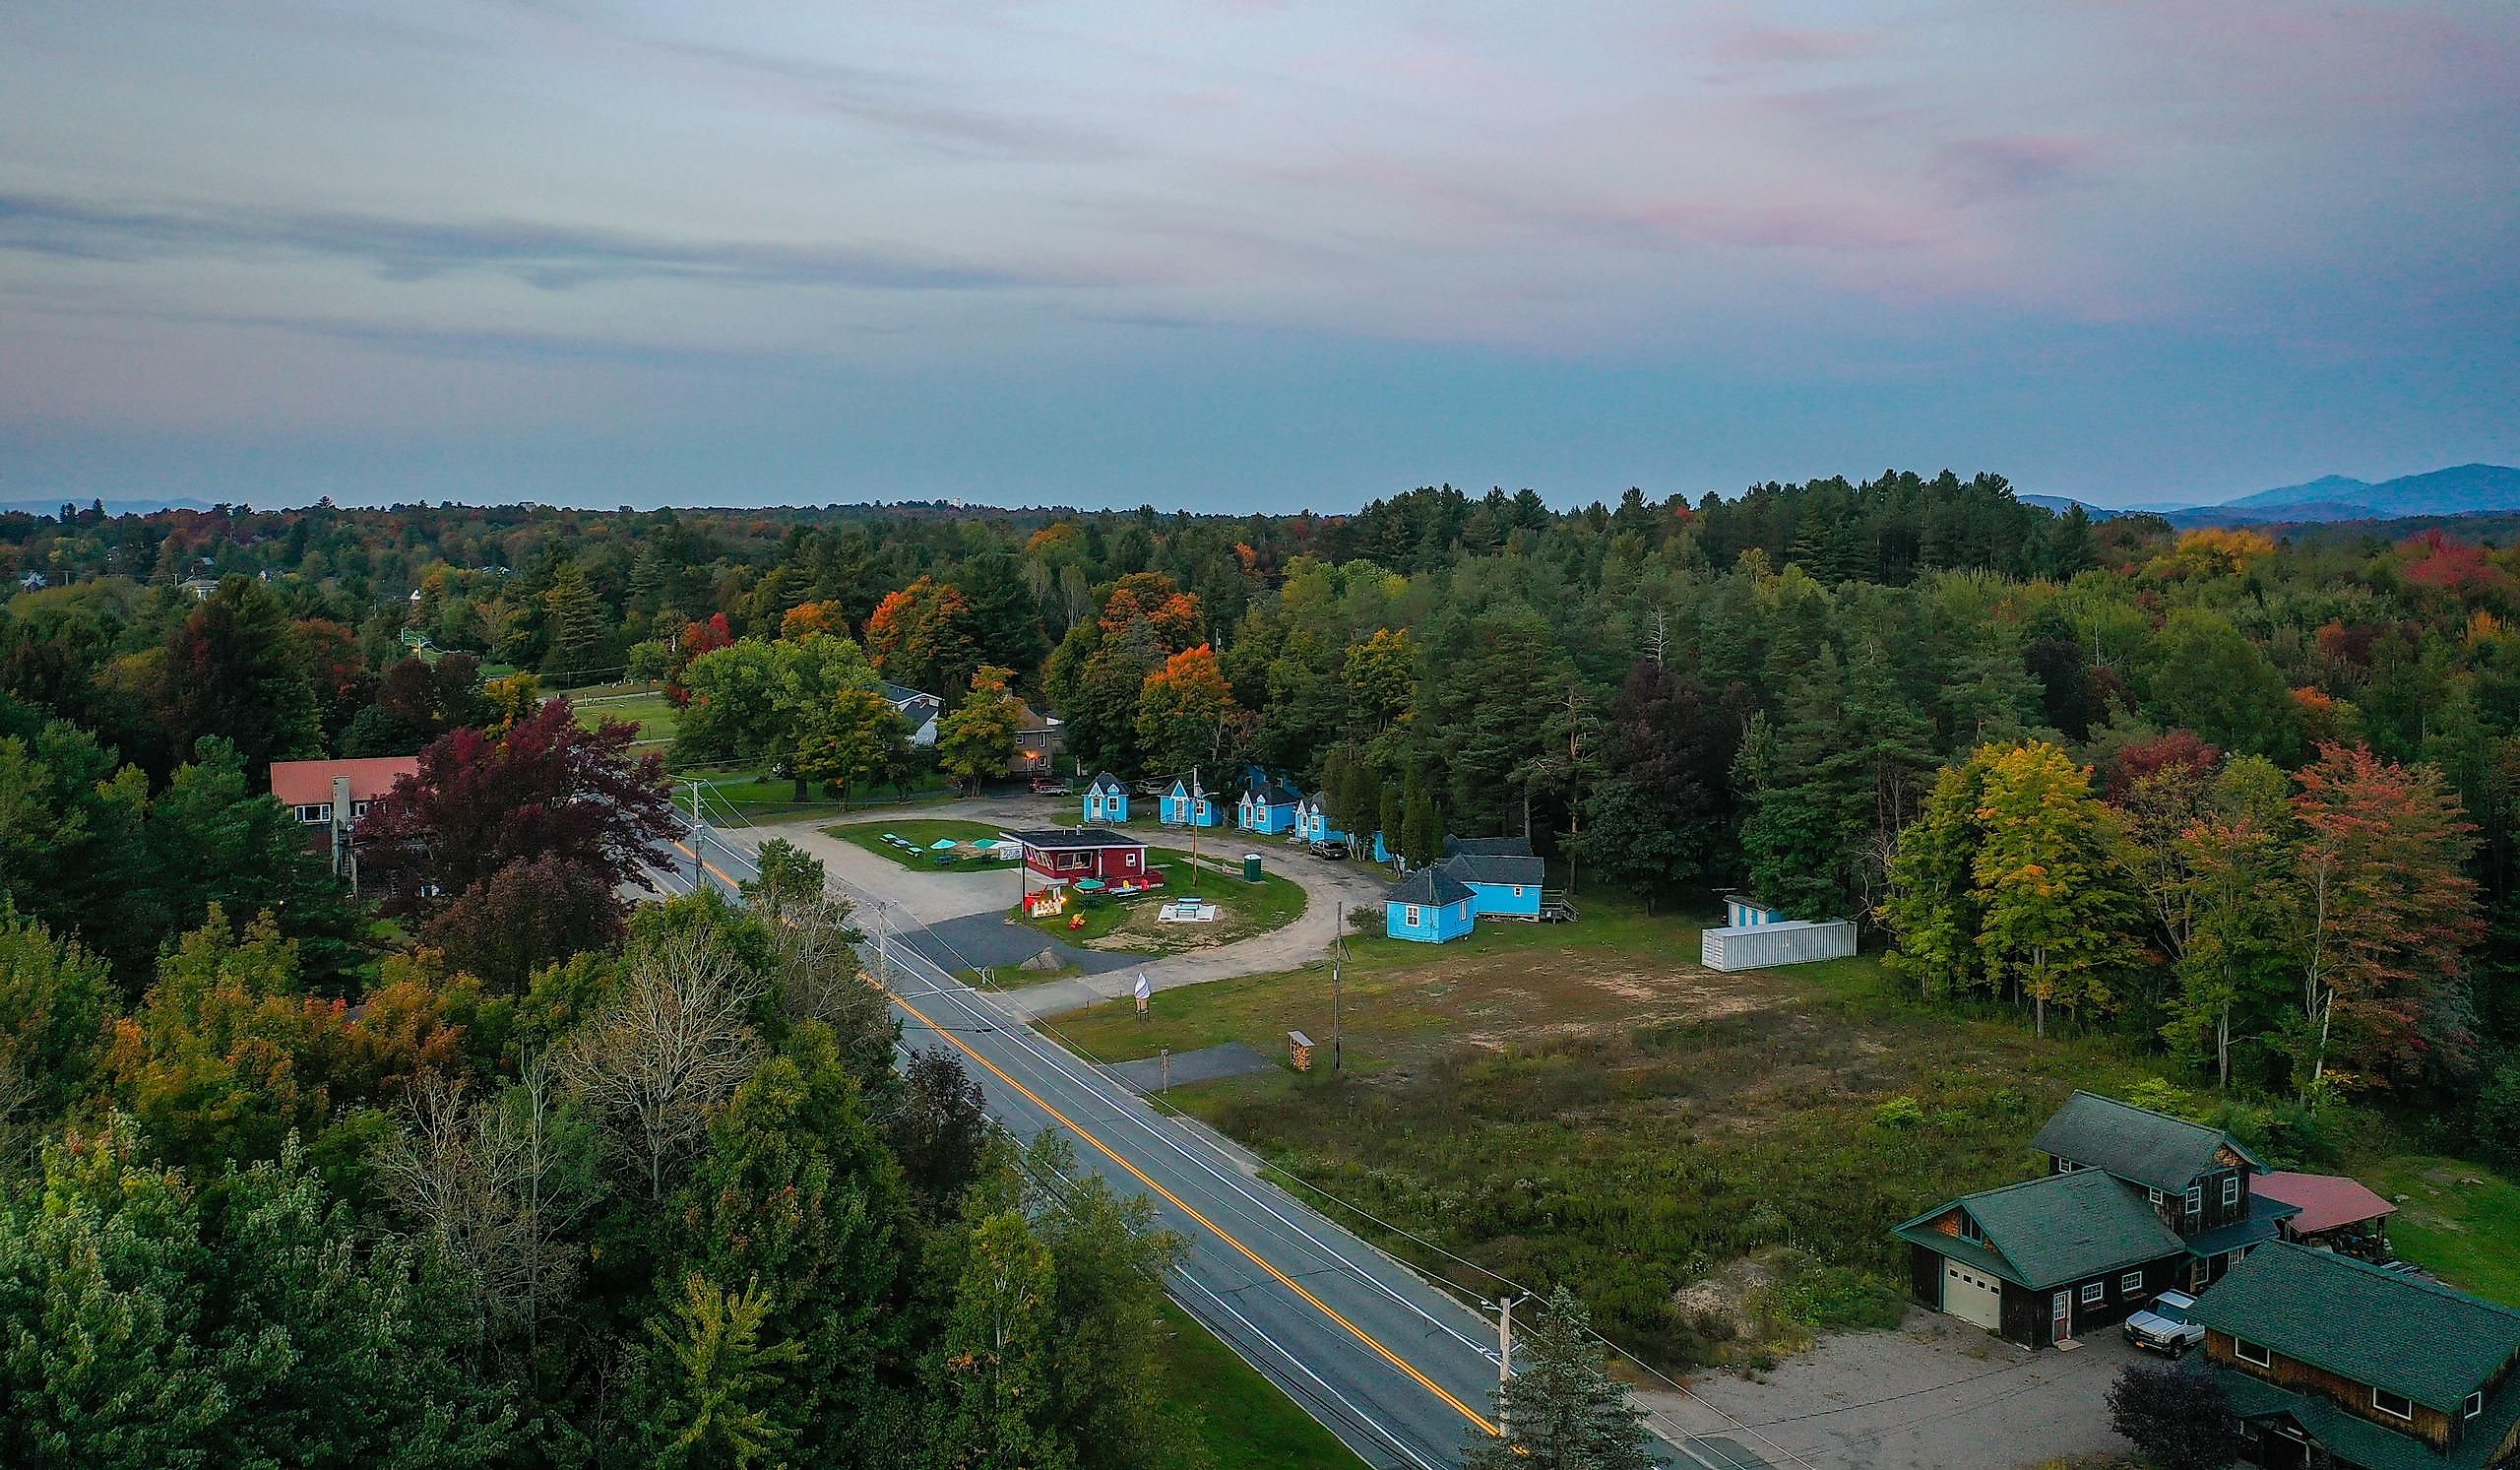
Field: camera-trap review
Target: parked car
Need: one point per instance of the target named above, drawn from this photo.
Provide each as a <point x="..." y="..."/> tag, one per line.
<point x="1330" y="849"/>
<point x="2163" y="1327"/>
<point x="1049" y="786"/>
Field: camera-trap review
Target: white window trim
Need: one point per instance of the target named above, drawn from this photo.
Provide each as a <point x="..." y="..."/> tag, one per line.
<point x="2473" y="1406"/>
<point x="2407" y="1413"/>
<point x="1411" y="916"/>
<point x="2067" y="1166"/>
<point x="1970" y="1231"/>
<point x="2159" y="1199"/>
<point x="2253" y="1353"/>
<point x="313" y="812"/>
<point x="2195" y="1200"/>
<point x="2094" y="1293"/>
<point x="2230" y="1189"/>
<point x="1518" y="890"/>
<point x="2131" y="1283"/>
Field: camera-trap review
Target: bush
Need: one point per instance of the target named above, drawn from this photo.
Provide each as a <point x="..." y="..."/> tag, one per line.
<point x="2178" y="1416"/>
<point x="1901" y="1111"/>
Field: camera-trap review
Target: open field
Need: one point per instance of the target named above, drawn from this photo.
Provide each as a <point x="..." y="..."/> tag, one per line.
<point x="2461" y="1221"/>
<point x="647" y="709"/>
<point x="922" y="831"/>
<point x="1238" y="1418"/>
<point x="1585" y="1103"/>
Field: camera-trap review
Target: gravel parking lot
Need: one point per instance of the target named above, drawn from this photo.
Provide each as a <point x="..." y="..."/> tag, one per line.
<point x="1936" y="1394"/>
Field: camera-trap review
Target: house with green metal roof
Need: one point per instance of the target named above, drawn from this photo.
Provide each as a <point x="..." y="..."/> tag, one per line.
<point x="2330" y="1360"/>
<point x="2134" y="1202"/>
<point x="2041" y="1261"/>
<point x="2199" y="1180"/>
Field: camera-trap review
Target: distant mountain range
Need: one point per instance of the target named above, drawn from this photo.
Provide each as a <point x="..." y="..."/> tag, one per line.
<point x="2462" y="489"/>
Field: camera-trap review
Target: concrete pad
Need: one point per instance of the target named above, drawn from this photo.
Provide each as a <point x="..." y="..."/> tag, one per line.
<point x="1206" y="1064"/>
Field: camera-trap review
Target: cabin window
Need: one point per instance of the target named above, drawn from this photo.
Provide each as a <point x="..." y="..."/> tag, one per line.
<point x="1410" y="916"/>
<point x="2394" y="1405"/>
<point x="2474" y="1406"/>
<point x="2130" y="1284"/>
<point x="2230" y="1189"/>
<point x="1128" y="859"/>
<point x="2066" y="1166"/>
<point x="321" y="811"/>
<point x="2252" y="1352"/>
<point x="357" y="810"/>
<point x="1518" y="890"/>
<point x="2093" y="1291"/>
<point x="2158" y="1197"/>
<point x="2196" y="1199"/>
<point x="1968" y="1229"/>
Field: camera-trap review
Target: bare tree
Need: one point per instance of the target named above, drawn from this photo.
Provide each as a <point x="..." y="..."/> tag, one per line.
<point x="498" y="1181"/>
<point x="817" y="977"/>
<point x="674" y="1039"/>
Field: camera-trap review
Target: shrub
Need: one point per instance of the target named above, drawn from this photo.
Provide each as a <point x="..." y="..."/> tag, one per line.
<point x="1900" y="1111"/>
<point x="2178" y="1416"/>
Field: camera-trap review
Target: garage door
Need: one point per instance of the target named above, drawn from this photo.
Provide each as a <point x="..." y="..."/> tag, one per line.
<point x="1971" y="1297"/>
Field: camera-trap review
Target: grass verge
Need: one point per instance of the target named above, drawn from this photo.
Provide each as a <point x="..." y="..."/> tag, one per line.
<point x="1238" y="1420"/>
<point x="650" y="711"/>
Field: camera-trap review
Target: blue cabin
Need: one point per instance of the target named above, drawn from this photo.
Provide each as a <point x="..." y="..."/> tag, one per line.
<point x="1740" y="911"/>
<point x="1268" y="806"/>
<point x="1429" y="909"/>
<point x="1178" y="808"/>
<point x="1106" y="800"/>
<point x="1314" y="823"/>
<point x="1501" y="885"/>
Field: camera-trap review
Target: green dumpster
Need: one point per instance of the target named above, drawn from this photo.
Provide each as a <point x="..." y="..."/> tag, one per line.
<point x="1251" y="868"/>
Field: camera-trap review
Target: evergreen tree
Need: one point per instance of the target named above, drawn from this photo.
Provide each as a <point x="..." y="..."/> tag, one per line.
<point x="235" y="668"/>
<point x="1562" y="1410"/>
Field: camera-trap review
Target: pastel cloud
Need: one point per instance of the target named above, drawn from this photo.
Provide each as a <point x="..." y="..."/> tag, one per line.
<point x="1803" y="189"/>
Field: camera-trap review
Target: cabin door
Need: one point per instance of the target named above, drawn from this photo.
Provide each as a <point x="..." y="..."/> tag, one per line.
<point x="2062" y="1317"/>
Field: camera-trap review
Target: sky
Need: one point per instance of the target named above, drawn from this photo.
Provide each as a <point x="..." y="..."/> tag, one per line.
<point x="1237" y="255"/>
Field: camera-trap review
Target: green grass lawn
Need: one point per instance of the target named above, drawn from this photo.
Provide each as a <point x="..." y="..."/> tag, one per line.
<point x="649" y="709"/>
<point x="922" y="831"/>
<point x="2466" y="1232"/>
<point x="1239" y="1419"/>
<point x="1244" y="910"/>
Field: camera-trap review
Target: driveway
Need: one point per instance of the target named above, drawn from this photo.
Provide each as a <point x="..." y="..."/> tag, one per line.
<point x="1936" y="1394"/>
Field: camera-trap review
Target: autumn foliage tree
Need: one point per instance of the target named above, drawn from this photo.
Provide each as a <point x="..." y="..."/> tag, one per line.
<point x="2385" y="911"/>
<point x="923" y="637"/>
<point x="1183" y="710"/>
<point x="547" y="788"/>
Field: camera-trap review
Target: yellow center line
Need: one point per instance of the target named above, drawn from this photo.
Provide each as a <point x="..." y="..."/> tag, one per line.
<point x="1289" y="1282"/>
<point x="712" y="867"/>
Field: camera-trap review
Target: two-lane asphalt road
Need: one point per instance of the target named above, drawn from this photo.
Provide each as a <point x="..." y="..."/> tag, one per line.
<point x="1399" y="1370"/>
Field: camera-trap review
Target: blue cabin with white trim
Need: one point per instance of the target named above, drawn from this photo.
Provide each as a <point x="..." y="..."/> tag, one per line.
<point x="1268" y="806"/>
<point x="1313" y="822"/>
<point x="1501" y="885"/>
<point x="1178" y="808"/>
<point x="1106" y="800"/>
<point x="1428" y="909"/>
<point x="1740" y="911"/>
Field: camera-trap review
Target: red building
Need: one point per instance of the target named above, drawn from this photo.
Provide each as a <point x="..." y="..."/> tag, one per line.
<point x="329" y="796"/>
<point x="1071" y="854"/>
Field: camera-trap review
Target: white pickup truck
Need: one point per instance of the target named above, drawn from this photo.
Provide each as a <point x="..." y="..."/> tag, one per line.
<point x="2164" y="1326"/>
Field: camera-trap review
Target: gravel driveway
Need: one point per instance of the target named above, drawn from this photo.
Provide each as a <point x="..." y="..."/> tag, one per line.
<point x="1936" y="1394"/>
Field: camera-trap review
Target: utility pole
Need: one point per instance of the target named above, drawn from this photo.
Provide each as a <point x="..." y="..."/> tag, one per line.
<point x="883" y="946"/>
<point x="1338" y="999"/>
<point x="1194" y="829"/>
<point x="696" y="883"/>
<point x="1504" y="1354"/>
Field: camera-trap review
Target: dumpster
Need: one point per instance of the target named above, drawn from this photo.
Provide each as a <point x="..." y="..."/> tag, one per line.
<point x="1251" y="868"/>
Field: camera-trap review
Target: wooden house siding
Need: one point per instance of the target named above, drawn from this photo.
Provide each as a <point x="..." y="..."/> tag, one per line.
<point x="2429" y="1425"/>
<point x="2212" y="1213"/>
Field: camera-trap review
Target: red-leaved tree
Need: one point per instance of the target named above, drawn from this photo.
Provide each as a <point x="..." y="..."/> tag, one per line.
<point x="546" y="788"/>
<point x="2386" y="909"/>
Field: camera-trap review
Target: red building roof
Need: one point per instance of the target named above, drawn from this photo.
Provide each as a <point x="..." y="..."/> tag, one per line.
<point x="2327" y="1200"/>
<point x="309" y="783"/>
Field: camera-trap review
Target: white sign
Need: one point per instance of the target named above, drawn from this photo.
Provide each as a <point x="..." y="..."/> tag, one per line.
<point x="1143" y="988"/>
